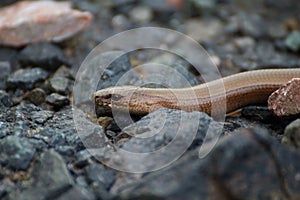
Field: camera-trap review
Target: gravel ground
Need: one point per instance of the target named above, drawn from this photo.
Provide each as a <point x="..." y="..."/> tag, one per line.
<point x="43" y="157"/>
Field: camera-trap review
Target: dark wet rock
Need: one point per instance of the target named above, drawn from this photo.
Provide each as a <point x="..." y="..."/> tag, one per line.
<point x="57" y="100"/>
<point x="5" y="99"/>
<point x="37" y="96"/>
<point x="293" y="41"/>
<point x="5" y="70"/>
<point x="15" y="152"/>
<point x="98" y="174"/>
<point x="111" y="75"/>
<point x="43" y="55"/>
<point x="292" y="134"/>
<point x="248" y="164"/>
<point x="51" y="178"/>
<point x="60" y="85"/>
<point x="26" y="78"/>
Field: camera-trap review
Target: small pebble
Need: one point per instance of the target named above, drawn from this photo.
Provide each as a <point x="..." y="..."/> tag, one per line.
<point x="57" y="100"/>
<point x="141" y="15"/>
<point x="64" y="71"/>
<point x="5" y="70"/>
<point x="119" y="21"/>
<point x="60" y="85"/>
<point x="244" y="43"/>
<point x="16" y="152"/>
<point x="37" y="96"/>
<point x="292" y="134"/>
<point x="26" y="78"/>
<point x="42" y="116"/>
<point x="9" y="55"/>
<point x="286" y="100"/>
<point x="5" y="100"/>
<point x="201" y="30"/>
<point x="293" y="41"/>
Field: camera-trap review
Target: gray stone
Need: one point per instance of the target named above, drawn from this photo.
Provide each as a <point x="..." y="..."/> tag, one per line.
<point x="51" y="178"/>
<point x="60" y="85"/>
<point x="168" y="133"/>
<point x="57" y="100"/>
<point x="37" y="96"/>
<point x="5" y="100"/>
<point x="77" y="193"/>
<point x="204" y="6"/>
<point x="292" y="134"/>
<point x="248" y="164"/>
<point x="9" y="55"/>
<point x="15" y="152"/>
<point x="5" y="69"/>
<point x="141" y="14"/>
<point x="173" y="120"/>
<point x="252" y="25"/>
<point x="43" y="55"/>
<point x="26" y="78"/>
<point x="40" y="117"/>
<point x="99" y="174"/>
<point x="293" y="41"/>
<point x="111" y="75"/>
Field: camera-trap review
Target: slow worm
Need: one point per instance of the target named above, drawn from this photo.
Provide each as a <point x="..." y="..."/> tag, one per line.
<point x="242" y="89"/>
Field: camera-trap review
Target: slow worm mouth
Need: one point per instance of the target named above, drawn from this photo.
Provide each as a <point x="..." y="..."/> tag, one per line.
<point x="104" y="100"/>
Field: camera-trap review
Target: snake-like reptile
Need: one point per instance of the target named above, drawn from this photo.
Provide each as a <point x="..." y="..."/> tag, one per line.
<point x="242" y="89"/>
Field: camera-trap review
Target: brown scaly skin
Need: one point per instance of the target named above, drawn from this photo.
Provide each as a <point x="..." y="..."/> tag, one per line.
<point x="223" y="95"/>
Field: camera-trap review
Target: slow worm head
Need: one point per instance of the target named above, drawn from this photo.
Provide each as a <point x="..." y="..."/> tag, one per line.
<point x="241" y="89"/>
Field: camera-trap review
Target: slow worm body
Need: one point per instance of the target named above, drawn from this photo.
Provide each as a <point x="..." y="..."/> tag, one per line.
<point x="215" y="97"/>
